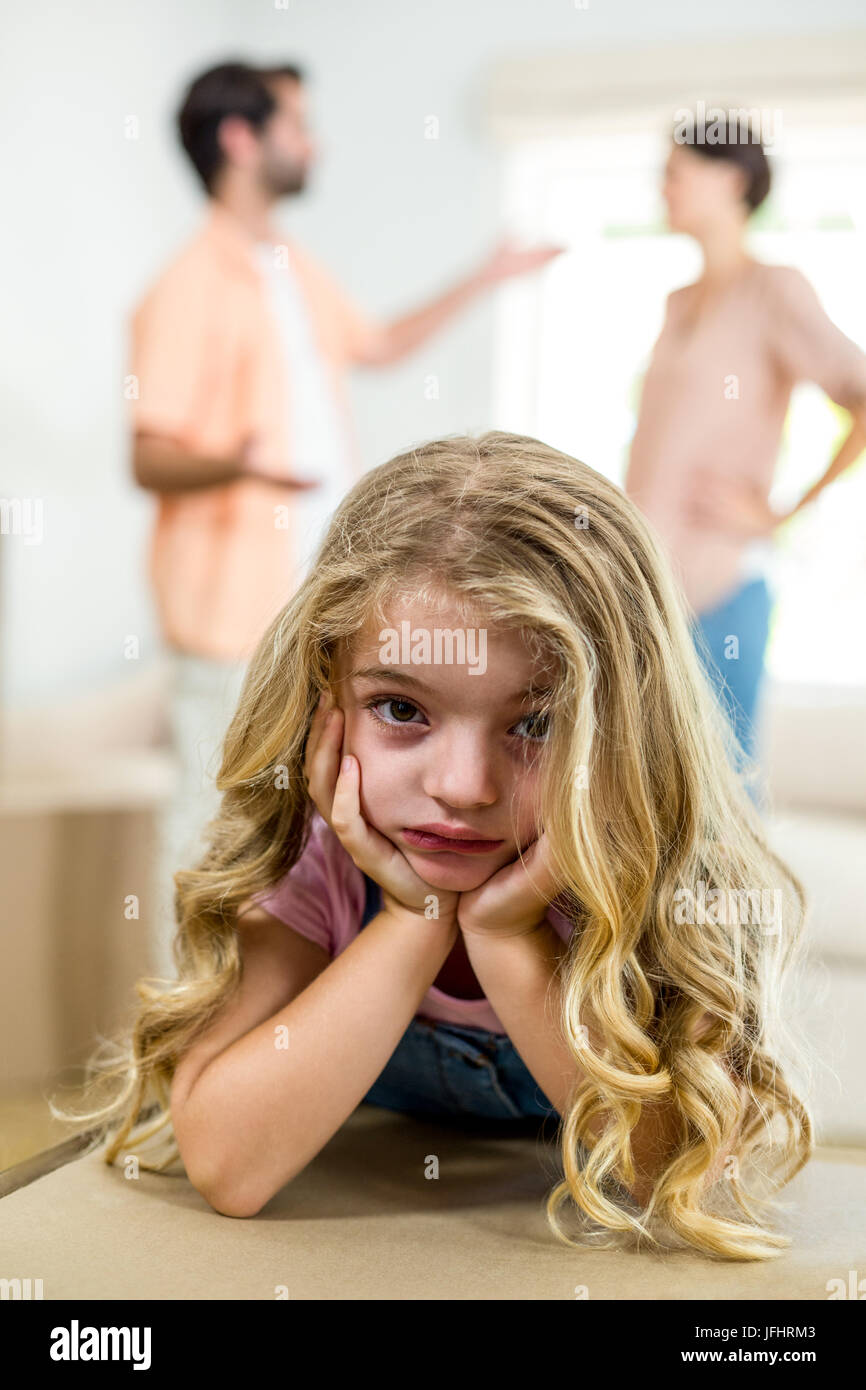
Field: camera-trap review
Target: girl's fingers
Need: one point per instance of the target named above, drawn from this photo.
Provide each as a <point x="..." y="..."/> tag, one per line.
<point x="317" y="725"/>
<point x="346" y="809"/>
<point x="372" y="852"/>
<point x="314" y="738"/>
<point x="321" y="763"/>
<point x="365" y="845"/>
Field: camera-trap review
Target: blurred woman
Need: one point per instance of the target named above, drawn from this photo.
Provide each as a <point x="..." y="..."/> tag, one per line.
<point x="714" y="402"/>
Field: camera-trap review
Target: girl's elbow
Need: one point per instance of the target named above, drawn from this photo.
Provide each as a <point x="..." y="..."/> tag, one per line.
<point x="240" y="1196"/>
<point x="216" y="1184"/>
<point x="232" y="1199"/>
<point x="239" y="1210"/>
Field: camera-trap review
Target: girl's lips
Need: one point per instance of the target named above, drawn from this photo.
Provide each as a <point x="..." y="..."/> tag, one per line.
<point x="425" y="839"/>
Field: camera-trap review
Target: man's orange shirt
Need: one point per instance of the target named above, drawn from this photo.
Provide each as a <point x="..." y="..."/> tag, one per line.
<point x="209" y="366"/>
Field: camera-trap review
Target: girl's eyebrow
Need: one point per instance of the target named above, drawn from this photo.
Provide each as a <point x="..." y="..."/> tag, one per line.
<point x="391" y="673"/>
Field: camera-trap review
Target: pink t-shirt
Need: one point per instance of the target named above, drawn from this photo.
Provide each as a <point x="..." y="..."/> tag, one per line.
<point x="322" y="897"/>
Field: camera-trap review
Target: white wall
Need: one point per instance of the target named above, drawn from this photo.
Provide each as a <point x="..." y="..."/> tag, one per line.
<point x="88" y="216"/>
<point x="91" y="216"/>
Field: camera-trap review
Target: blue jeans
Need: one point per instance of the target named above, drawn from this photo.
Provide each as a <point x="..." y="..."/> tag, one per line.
<point x="448" y="1069"/>
<point x="736" y="670"/>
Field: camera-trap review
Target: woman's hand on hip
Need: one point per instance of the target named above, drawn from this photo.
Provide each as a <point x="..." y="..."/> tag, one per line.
<point x="335" y="790"/>
<point x="732" y="504"/>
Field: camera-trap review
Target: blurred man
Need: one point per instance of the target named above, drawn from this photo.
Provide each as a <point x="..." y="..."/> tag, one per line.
<point x="240" y="423"/>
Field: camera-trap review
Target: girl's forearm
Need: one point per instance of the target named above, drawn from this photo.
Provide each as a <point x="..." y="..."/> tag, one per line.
<point x="270" y="1102"/>
<point x="518" y="975"/>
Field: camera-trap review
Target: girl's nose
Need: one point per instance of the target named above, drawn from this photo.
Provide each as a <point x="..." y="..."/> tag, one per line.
<point x="460" y="771"/>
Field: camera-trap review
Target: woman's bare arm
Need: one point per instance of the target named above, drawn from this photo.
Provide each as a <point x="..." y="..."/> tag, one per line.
<point x="848" y="452"/>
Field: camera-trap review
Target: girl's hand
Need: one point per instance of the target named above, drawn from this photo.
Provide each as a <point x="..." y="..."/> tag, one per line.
<point x="514" y="901"/>
<point x="336" y="793"/>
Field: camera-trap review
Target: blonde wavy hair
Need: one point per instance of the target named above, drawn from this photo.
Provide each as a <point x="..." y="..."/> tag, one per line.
<point x="534" y="540"/>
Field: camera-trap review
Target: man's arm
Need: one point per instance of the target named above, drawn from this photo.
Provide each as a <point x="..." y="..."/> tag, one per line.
<point x="162" y="465"/>
<point x="402" y="335"/>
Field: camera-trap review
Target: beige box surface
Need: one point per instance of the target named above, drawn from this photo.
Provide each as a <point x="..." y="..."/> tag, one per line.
<point x="362" y="1221"/>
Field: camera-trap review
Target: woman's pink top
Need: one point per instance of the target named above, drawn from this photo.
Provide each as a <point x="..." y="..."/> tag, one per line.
<point x="322" y="897"/>
<point x="715" y="396"/>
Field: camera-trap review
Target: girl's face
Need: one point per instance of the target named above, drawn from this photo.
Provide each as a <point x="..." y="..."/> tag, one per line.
<point x="452" y="746"/>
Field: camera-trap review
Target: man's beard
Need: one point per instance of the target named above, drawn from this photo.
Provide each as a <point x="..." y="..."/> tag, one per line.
<point x="286" y="180"/>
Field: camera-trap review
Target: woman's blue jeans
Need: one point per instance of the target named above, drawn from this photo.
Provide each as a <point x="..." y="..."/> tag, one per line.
<point x="736" y="667"/>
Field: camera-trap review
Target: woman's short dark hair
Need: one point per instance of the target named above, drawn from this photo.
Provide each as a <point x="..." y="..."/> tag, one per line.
<point x="734" y="140"/>
<point x="230" y="89"/>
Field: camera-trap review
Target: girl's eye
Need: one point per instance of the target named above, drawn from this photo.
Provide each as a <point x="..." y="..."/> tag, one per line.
<point x="402" y="705"/>
<point x="402" y="711"/>
<point x="540" y="725"/>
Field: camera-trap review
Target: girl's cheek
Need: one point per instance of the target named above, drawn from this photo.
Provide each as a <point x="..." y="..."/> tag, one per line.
<point x="526" y="782"/>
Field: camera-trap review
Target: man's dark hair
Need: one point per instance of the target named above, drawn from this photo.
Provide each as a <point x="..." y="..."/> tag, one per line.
<point x="231" y="89"/>
<point x="736" y="141"/>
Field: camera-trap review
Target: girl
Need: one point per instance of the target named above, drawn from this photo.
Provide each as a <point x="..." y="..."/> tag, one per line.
<point x="479" y="839"/>
<point x="714" y="401"/>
